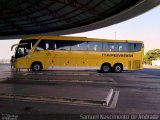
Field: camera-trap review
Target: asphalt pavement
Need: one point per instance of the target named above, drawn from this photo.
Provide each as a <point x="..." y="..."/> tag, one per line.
<point x="76" y="94"/>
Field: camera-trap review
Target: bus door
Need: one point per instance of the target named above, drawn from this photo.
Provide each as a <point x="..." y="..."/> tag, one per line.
<point x="21" y="56"/>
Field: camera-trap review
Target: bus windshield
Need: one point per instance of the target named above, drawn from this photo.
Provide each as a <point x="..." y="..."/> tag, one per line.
<point x="23" y="49"/>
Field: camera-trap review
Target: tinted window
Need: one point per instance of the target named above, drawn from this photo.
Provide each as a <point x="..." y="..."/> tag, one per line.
<point x="62" y="45"/>
<point x="24" y="49"/>
<point x="105" y="46"/>
<point x="30" y="43"/>
<point x="112" y="47"/>
<point x="78" y="45"/>
<point x="95" y="46"/>
<point x="133" y="47"/>
<point x="123" y="47"/>
<point x="41" y="45"/>
<point x="50" y="45"/>
<point x="54" y="45"/>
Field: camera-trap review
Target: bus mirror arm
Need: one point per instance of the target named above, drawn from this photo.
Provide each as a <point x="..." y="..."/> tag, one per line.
<point x="13" y="47"/>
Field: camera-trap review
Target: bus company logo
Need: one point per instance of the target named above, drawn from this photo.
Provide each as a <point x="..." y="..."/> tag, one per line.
<point x="117" y="55"/>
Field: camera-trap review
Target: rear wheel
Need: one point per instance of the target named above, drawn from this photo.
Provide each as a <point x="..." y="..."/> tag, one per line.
<point x="106" y="68"/>
<point x="36" y="66"/>
<point x="117" y="68"/>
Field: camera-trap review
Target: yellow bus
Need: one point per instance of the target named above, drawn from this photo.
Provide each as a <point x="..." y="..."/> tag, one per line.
<point x="75" y="53"/>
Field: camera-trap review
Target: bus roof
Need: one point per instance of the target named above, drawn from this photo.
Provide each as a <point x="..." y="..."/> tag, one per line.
<point x="78" y="39"/>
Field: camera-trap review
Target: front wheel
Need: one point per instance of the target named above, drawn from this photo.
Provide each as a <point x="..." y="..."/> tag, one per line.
<point x="117" y="68"/>
<point x="36" y="66"/>
<point x="106" y="68"/>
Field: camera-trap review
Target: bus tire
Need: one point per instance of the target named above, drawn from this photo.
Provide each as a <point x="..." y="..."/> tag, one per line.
<point x="118" y="67"/>
<point x="36" y="66"/>
<point x="106" y="67"/>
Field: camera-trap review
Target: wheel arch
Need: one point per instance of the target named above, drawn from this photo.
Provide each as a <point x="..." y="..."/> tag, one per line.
<point x="105" y="63"/>
<point x="39" y="62"/>
<point x="119" y="64"/>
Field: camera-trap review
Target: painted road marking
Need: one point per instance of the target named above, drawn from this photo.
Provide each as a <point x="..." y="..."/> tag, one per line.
<point x="109" y="96"/>
<point x="115" y="99"/>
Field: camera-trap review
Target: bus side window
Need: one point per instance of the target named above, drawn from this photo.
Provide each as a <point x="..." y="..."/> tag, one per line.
<point x="79" y="46"/>
<point x="47" y="46"/>
<point x="134" y="47"/>
<point x="51" y="45"/>
<point x="105" y="46"/>
<point x="123" y="47"/>
<point x="113" y="47"/>
<point x="94" y="46"/>
<point x="62" y="45"/>
<point x="41" y="45"/>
